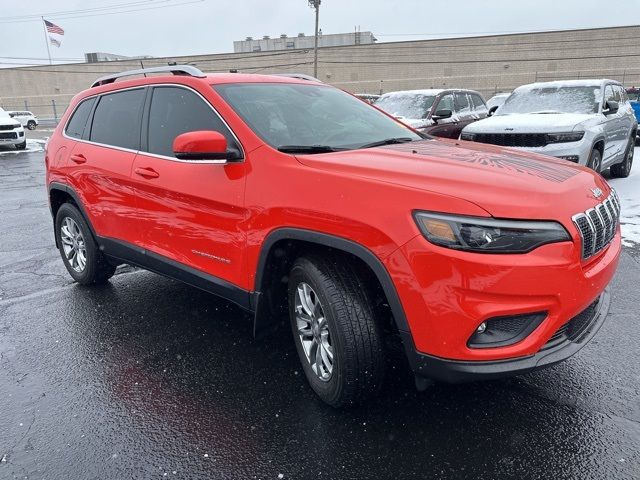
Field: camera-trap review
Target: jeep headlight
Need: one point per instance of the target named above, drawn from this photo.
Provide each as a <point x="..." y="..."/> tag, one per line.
<point x="468" y="136"/>
<point x="488" y="235"/>
<point x="564" y="137"/>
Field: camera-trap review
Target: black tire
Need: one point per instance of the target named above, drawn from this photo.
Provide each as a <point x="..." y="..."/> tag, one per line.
<point x="97" y="269"/>
<point x="595" y="160"/>
<point x="356" y="337"/>
<point x="31" y="125"/>
<point x="623" y="169"/>
<point x="21" y="146"/>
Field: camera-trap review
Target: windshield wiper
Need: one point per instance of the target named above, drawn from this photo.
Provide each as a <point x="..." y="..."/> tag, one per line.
<point x="308" y="149"/>
<point x="387" y="141"/>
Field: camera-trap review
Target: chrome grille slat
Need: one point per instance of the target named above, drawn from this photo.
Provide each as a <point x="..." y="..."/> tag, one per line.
<point x="598" y="226"/>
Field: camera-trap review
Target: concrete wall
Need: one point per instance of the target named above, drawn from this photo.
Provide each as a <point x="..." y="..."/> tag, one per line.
<point x="489" y="64"/>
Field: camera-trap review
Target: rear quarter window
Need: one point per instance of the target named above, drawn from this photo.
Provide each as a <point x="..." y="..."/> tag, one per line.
<point x="78" y="121"/>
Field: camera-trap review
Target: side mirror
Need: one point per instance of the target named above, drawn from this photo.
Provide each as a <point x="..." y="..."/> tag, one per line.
<point x="442" y="114"/>
<point x="610" y="107"/>
<point x="492" y="110"/>
<point x="203" y="145"/>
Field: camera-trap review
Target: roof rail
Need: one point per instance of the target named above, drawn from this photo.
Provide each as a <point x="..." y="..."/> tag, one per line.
<point x="187" y="70"/>
<point x="299" y="76"/>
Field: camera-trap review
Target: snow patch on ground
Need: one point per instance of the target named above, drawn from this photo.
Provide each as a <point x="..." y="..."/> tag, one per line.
<point x="32" y="146"/>
<point x="629" y="192"/>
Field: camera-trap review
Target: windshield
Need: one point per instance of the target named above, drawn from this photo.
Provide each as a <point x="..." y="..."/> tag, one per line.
<point x="407" y="105"/>
<point x="286" y="114"/>
<point x="3" y="113"/>
<point x="563" y="99"/>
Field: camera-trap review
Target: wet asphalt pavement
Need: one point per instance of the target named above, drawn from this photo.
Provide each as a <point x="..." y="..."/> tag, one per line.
<point x="149" y="378"/>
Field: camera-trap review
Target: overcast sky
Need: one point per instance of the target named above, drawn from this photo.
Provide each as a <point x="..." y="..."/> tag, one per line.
<point x="211" y="26"/>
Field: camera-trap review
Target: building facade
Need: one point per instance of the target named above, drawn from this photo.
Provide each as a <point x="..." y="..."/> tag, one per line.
<point x="301" y="41"/>
<point x="488" y="64"/>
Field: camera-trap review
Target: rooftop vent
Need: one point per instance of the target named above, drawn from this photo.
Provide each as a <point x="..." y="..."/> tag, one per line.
<point x="266" y="37"/>
<point x="283" y="35"/>
<point x="301" y="34"/>
<point x="248" y="39"/>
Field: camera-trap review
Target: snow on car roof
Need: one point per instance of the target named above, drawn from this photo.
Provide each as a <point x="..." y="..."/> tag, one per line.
<point x="432" y="92"/>
<point x="565" y="83"/>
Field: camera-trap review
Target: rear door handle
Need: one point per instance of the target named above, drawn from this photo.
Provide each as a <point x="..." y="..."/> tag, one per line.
<point x="78" y="158"/>
<point x="146" y="172"/>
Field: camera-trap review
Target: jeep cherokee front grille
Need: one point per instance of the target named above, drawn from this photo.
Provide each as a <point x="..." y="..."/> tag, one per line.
<point x="598" y="225"/>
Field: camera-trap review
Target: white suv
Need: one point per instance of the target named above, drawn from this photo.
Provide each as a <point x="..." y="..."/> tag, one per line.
<point x="589" y="122"/>
<point x="11" y="132"/>
<point x="27" y="119"/>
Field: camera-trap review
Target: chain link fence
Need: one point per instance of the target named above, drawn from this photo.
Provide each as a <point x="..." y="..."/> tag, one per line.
<point x="48" y="112"/>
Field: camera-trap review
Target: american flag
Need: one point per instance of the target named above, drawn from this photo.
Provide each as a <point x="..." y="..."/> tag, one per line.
<point x="53" y="28"/>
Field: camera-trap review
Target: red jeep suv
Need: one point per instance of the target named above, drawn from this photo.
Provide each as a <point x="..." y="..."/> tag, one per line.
<point x="290" y="197"/>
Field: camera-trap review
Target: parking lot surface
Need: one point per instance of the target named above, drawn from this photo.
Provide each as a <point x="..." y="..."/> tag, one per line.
<point x="149" y="378"/>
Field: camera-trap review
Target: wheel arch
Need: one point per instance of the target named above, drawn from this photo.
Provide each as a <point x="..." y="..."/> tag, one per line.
<point x="598" y="144"/>
<point x="60" y="193"/>
<point x="267" y="271"/>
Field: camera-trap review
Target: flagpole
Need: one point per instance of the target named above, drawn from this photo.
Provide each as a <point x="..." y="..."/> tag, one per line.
<point x="46" y="40"/>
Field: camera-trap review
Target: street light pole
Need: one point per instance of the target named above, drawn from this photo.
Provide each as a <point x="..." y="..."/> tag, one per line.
<point x="315" y="4"/>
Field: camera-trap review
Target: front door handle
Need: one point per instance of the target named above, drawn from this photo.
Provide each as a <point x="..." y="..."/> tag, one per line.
<point x="146" y="172"/>
<point x="78" y="158"/>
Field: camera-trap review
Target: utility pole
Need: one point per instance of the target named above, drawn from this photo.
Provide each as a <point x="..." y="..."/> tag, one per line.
<point x="315" y="4"/>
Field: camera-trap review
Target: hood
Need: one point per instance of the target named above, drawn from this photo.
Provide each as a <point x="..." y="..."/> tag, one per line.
<point x="414" y="122"/>
<point x="529" y="123"/>
<point x="7" y="120"/>
<point x="506" y="183"/>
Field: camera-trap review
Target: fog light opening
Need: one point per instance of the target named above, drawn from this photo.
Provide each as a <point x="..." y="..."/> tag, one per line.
<point x="482" y="327"/>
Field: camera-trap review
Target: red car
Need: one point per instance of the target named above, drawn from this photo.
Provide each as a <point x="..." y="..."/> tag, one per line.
<point x="293" y="198"/>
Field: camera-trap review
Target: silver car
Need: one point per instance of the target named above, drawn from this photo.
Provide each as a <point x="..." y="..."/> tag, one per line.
<point x="589" y="122"/>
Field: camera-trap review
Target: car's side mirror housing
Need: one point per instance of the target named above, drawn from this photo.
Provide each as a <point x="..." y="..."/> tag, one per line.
<point x="203" y="145"/>
<point x="492" y="110"/>
<point x="441" y="115"/>
<point x="610" y="107"/>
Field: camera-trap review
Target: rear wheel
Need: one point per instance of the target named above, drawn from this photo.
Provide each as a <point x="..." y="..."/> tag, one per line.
<point x="595" y="160"/>
<point x="335" y="331"/>
<point x="79" y="251"/>
<point x="623" y="169"/>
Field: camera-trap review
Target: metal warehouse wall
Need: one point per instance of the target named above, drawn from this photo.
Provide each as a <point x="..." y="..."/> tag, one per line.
<point x="488" y="64"/>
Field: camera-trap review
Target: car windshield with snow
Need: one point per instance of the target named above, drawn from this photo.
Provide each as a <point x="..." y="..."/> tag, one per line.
<point x="590" y="122"/>
<point x="553" y="99"/>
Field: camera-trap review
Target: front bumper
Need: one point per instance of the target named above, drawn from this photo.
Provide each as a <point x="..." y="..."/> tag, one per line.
<point x="12" y="137"/>
<point x="565" y="342"/>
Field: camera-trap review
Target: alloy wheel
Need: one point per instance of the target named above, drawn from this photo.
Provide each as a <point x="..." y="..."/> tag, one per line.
<point x="313" y="331"/>
<point x="73" y="244"/>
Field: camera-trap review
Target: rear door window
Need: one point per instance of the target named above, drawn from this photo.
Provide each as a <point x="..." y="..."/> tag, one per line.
<point x="117" y="118"/>
<point x="176" y="110"/>
<point x="78" y="120"/>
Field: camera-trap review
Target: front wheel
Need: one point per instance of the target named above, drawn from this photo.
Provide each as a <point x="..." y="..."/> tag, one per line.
<point x="623" y="169"/>
<point x="335" y="331"/>
<point x="595" y="160"/>
<point x="31" y="125"/>
<point x="79" y="251"/>
<point x="21" y="146"/>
